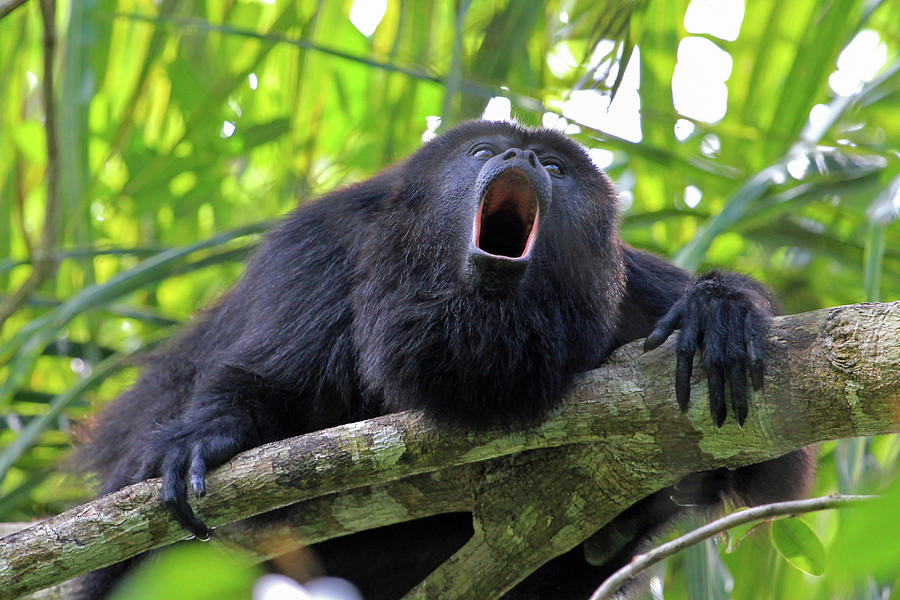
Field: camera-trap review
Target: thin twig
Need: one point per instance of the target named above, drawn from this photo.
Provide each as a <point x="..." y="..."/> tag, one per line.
<point x="766" y="511"/>
<point x="43" y="261"/>
<point x="7" y="6"/>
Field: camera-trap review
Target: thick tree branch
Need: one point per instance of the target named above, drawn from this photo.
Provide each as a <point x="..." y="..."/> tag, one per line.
<point x="832" y="374"/>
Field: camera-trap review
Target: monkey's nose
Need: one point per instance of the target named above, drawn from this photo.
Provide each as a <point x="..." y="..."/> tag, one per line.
<point x="525" y="154"/>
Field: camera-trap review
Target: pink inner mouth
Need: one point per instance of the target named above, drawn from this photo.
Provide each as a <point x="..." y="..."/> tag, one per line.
<point x="506" y="224"/>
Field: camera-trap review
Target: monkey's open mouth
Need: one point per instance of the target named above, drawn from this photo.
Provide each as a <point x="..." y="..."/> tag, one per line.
<point x="507" y="220"/>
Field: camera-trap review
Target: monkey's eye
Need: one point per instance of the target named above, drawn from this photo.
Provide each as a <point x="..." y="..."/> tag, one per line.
<point x="553" y="166"/>
<point x="482" y="151"/>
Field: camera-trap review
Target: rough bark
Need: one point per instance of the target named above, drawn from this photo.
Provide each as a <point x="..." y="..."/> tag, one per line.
<point x="534" y="493"/>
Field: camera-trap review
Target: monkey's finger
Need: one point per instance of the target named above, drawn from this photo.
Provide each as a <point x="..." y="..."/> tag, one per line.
<point x="666" y="325"/>
<point x="683" y="369"/>
<point x="185" y="516"/>
<point x="715" y="378"/>
<point x="174" y="495"/>
<point x="739" y="402"/>
<point x="197" y="473"/>
<point x="686" y="347"/>
<point x="757" y="373"/>
<point x="755" y="350"/>
<point x="210" y="452"/>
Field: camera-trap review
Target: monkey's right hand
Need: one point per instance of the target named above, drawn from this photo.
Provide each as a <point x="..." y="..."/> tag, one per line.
<point x="185" y="449"/>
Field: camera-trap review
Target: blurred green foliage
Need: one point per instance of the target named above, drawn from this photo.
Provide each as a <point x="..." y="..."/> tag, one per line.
<point x="185" y="127"/>
<point x="191" y="572"/>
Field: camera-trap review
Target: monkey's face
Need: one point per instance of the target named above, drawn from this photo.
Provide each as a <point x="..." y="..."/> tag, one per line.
<point x="505" y="204"/>
<point x="511" y="196"/>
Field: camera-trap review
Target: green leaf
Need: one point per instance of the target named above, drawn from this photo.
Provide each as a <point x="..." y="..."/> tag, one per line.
<point x="261" y="133"/>
<point x="867" y="544"/>
<point x="874" y="257"/>
<point x="799" y="545"/>
<point x="736" y="535"/>
<point x="29" y="435"/>
<point x="31" y="141"/>
<point x="195" y="570"/>
<point x="28" y="343"/>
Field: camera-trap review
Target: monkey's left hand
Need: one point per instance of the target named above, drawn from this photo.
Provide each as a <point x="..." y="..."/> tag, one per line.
<point x="726" y="316"/>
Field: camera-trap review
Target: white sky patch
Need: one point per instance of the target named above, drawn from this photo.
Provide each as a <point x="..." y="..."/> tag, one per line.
<point x="432" y="123"/>
<point x="227" y="129"/>
<point x="692" y="196"/>
<point x="603" y="61"/>
<point x="858" y="63"/>
<point x="622" y="118"/>
<point x="606" y="63"/>
<point x="551" y="120"/>
<point x="498" y="108"/>
<point x="698" y="83"/>
<point x="365" y="15"/>
<point x="886" y="208"/>
<point x="797" y="167"/>
<point x="253" y="81"/>
<point x="601" y="51"/>
<point x="710" y="145"/>
<point x="601" y="157"/>
<point x="705" y="56"/>
<point x="719" y="18"/>
<point x="683" y="129"/>
<point x="819" y="116"/>
<point x="560" y="60"/>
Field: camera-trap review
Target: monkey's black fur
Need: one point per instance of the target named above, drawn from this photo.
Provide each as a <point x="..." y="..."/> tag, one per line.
<point x="472" y="281"/>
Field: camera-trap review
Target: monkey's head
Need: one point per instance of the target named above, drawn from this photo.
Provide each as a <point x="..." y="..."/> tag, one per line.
<point x="496" y="255"/>
<point x="509" y="198"/>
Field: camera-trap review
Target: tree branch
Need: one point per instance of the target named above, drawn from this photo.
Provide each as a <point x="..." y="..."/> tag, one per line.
<point x="646" y="560"/>
<point x="620" y="436"/>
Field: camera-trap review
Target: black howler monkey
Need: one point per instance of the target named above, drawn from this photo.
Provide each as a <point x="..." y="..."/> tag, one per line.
<point x="473" y="281"/>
